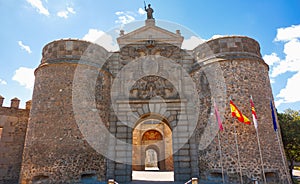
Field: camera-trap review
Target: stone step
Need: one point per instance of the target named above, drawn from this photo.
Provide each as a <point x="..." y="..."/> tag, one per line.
<point x="154" y="182"/>
<point x="209" y="182"/>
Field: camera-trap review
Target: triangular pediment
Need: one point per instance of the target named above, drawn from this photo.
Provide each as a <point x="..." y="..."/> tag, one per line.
<point x="150" y="32"/>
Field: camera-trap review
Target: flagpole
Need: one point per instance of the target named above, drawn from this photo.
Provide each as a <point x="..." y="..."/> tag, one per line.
<point x="283" y="160"/>
<point x="261" y="158"/>
<point x="257" y="136"/>
<point x="220" y="127"/>
<point x="238" y="153"/>
<point x="221" y="158"/>
<point x="278" y="139"/>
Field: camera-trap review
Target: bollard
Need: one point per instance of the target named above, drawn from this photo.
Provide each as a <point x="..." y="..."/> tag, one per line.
<point x="111" y="181"/>
<point x="194" y="180"/>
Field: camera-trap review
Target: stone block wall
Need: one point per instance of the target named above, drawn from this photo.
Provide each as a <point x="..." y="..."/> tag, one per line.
<point x="13" y="124"/>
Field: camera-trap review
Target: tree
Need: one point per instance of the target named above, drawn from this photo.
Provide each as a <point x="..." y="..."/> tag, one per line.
<point x="289" y="122"/>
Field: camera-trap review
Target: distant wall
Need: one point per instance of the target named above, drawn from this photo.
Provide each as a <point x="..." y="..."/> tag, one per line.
<point x="13" y="122"/>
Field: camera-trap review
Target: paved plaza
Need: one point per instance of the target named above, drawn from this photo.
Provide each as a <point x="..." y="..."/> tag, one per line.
<point x="152" y="176"/>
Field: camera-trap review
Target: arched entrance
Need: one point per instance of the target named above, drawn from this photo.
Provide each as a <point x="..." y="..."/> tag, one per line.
<point x="171" y="121"/>
<point x="151" y="160"/>
<point x="152" y="146"/>
<point x="153" y="140"/>
<point x="153" y="104"/>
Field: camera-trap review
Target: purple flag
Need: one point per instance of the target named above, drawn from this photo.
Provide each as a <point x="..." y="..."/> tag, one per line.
<point x="273" y="116"/>
<point x="218" y="117"/>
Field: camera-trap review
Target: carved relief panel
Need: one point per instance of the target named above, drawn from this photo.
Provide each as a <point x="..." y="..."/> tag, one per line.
<point x="136" y="51"/>
<point x="152" y="86"/>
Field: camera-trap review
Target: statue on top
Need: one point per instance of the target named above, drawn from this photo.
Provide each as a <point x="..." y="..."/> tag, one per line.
<point x="149" y="11"/>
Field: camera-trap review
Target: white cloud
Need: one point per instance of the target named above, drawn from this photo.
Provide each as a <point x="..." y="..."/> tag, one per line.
<point x="141" y="11"/>
<point x="65" y="13"/>
<point x="288" y="33"/>
<point x="101" y="38"/>
<point x="124" y="17"/>
<point x="290" y="63"/>
<point x="25" y="77"/>
<point x="39" y="6"/>
<point x="71" y="10"/>
<point x="271" y="59"/>
<point x="290" y="93"/>
<point x="24" y="47"/>
<point x="278" y="102"/>
<point x="291" y="49"/>
<point x="2" y="82"/>
<point x="119" y="13"/>
<point x="192" y="42"/>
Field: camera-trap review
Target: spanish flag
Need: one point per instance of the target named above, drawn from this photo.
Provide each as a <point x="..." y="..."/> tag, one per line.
<point x="235" y="112"/>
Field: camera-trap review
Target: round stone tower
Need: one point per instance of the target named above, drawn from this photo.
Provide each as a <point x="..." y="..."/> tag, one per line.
<point x="234" y="69"/>
<point x="55" y="149"/>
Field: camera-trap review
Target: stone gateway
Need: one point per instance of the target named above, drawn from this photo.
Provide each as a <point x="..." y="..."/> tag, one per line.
<point x="97" y="115"/>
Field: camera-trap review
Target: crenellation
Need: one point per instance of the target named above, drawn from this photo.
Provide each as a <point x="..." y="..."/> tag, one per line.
<point x="1" y="100"/>
<point x="15" y="103"/>
<point x="28" y="105"/>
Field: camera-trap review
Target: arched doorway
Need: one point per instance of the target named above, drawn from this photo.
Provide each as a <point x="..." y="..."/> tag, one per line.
<point x="151" y="160"/>
<point x="153" y="138"/>
<point x="152" y="146"/>
<point x="169" y="117"/>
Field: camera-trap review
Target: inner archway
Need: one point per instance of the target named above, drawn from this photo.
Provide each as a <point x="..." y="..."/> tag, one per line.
<point x="151" y="160"/>
<point x="152" y="147"/>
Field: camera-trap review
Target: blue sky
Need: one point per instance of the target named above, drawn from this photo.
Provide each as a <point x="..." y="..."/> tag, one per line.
<point x="27" y="25"/>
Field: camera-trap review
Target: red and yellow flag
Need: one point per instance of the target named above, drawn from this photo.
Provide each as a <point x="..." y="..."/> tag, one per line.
<point x="253" y="113"/>
<point x="235" y="112"/>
